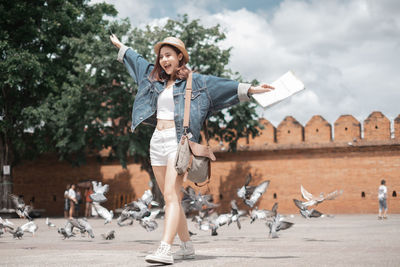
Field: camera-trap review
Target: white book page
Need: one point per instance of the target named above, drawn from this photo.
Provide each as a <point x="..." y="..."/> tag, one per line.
<point x="287" y="85"/>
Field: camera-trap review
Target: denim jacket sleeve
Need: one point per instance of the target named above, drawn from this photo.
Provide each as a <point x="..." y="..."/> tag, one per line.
<point x="225" y="92"/>
<point x="137" y="66"/>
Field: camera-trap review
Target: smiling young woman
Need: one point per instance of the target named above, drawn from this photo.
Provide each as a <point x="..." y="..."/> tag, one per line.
<point x="160" y="102"/>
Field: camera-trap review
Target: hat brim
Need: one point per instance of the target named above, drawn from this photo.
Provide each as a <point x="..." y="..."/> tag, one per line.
<point x="158" y="46"/>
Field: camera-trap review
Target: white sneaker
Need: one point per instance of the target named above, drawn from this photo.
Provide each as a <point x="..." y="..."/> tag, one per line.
<point x="185" y="252"/>
<point x="163" y="255"/>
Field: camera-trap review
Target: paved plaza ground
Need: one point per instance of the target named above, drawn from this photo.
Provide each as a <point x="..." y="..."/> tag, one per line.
<point x="344" y="240"/>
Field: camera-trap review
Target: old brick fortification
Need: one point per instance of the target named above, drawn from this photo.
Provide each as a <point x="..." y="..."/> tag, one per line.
<point x="318" y="156"/>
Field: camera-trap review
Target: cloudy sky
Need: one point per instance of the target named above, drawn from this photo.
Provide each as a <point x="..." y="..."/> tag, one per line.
<point x="346" y="52"/>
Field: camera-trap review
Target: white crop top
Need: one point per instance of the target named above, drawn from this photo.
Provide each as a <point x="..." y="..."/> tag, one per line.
<point x="165" y="104"/>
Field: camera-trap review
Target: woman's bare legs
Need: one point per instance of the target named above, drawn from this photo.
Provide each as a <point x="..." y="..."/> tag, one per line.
<point x="170" y="184"/>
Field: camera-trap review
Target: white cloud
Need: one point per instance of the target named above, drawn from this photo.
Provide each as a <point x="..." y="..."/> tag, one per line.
<point x="346" y="52"/>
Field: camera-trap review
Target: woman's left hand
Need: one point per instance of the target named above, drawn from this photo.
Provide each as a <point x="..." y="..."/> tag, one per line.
<point x="260" y="89"/>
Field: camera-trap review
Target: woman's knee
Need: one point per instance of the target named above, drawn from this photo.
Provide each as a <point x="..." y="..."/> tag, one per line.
<point x="170" y="196"/>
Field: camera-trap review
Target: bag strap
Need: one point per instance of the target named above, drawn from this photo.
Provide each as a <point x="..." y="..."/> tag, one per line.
<point x="186" y="114"/>
<point x="188" y="98"/>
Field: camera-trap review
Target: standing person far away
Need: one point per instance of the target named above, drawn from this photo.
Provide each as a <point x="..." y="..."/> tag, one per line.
<point x="160" y="103"/>
<point x="382" y="197"/>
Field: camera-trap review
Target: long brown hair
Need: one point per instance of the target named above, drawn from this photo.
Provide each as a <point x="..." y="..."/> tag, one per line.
<point x="158" y="73"/>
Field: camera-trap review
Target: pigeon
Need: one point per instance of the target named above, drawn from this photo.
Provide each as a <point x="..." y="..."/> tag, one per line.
<point x="18" y="233"/>
<point x="109" y="236"/>
<point x="5" y="224"/>
<point x="66" y="231"/>
<point x="125" y="215"/>
<point x="30" y="227"/>
<point x="277" y="223"/>
<point x="259" y="214"/>
<point x="20" y="208"/>
<point x="236" y="214"/>
<point x="195" y="202"/>
<point x="99" y="190"/>
<point x="311" y="200"/>
<point x="86" y="226"/>
<point x="305" y="212"/>
<point x="137" y="210"/>
<point x="49" y="224"/>
<point x="149" y="222"/>
<point x="251" y="194"/>
<point x="103" y="212"/>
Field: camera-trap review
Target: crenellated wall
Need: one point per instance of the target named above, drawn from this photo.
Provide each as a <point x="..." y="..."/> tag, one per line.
<point x="347" y="128"/>
<point x="318" y="156"/>
<point x="289" y="131"/>
<point x="318" y="130"/>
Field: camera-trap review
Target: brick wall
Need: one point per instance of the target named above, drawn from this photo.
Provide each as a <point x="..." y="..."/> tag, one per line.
<point x="319" y="163"/>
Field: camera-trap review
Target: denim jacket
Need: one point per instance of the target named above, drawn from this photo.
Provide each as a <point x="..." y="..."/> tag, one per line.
<point x="209" y="95"/>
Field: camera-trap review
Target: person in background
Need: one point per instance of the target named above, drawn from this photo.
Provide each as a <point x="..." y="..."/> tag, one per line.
<point x="78" y="201"/>
<point x="72" y="200"/>
<point x="66" y="201"/>
<point x="88" y="200"/>
<point x="382" y="196"/>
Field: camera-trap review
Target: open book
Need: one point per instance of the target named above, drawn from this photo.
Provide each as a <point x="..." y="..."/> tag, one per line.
<point x="288" y="84"/>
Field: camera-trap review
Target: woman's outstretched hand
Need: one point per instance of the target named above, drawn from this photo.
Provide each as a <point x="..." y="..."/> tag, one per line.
<point x="114" y="39"/>
<point x="260" y="89"/>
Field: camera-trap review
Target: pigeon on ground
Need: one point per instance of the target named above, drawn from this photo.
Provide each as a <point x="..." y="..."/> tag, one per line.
<point x="30" y="227"/>
<point x="305" y="212"/>
<point x="311" y="200"/>
<point x="18" y="233"/>
<point x="20" y="208"/>
<point x="99" y="190"/>
<point x="103" y="212"/>
<point x="251" y="194"/>
<point x="109" y="236"/>
<point x="49" y="224"/>
<point x="86" y="226"/>
<point x="277" y="223"/>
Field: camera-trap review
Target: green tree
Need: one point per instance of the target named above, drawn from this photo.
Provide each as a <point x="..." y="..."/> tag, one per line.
<point x="49" y="91"/>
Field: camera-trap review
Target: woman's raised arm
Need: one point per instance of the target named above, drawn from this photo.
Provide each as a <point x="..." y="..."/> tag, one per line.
<point x="138" y="67"/>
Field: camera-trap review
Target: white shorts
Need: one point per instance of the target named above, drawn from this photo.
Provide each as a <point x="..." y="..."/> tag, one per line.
<point x="163" y="146"/>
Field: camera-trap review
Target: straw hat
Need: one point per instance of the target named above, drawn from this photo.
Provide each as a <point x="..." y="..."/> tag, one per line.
<point x="174" y="42"/>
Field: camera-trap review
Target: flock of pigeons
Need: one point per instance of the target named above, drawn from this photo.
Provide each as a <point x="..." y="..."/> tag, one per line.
<point x="145" y="211"/>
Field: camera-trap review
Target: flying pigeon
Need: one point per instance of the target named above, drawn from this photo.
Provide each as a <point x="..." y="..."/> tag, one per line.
<point x="195" y="202"/>
<point x="6" y="224"/>
<point x="103" y="212"/>
<point x="149" y="223"/>
<point x="311" y="200"/>
<point x="99" y="191"/>
<point x="259" y="214"/>
<point x="236" y="214"/>
<point x="251" y="194"/>
<point x="20" y="208"/>
<point x="109" y="236"/>
<point x="305" y="212"/>
<point x="30" y="227"/>
<point x="137" y="210"/>
<point x="277" y="223"/>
